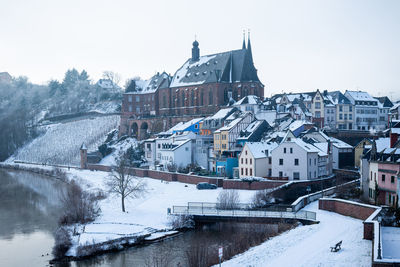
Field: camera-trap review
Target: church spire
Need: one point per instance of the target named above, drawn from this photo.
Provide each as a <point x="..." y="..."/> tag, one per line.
<point x="244" y="40"/>
<point x="249" y="46"/>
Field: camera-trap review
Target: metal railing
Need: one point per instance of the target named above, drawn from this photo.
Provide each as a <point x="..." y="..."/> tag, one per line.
<point x="210" y="209"/>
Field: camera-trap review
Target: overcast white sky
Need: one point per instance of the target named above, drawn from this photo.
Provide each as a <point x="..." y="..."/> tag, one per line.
<point x="297" y="45"/>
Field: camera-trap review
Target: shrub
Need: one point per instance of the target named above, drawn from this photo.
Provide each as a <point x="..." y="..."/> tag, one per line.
<point x="79" y="206"/>
<point x="180" y="221"/>
<point x="228" y="199"/>
<point x="261" y="199"/>
<point x="62" y="242"/>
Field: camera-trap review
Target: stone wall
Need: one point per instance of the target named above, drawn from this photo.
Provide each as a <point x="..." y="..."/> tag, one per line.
<point x="256" y="185"/>
<point x="347" y="208"/>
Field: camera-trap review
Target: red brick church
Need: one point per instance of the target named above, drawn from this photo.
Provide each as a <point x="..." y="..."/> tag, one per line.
<point x="202" y="86"/>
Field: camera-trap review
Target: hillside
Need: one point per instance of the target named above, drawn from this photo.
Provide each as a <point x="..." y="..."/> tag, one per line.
<point x="59" y="143"/>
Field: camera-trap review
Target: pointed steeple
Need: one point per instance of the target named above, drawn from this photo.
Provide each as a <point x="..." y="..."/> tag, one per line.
<point x="244" y="40"/>
<point x="249" y="46"/>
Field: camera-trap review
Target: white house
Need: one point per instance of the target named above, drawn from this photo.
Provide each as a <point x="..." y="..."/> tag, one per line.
<point x="296" y="159"/>
<point x="255" y="159"/>
<point x="366" y="110"/>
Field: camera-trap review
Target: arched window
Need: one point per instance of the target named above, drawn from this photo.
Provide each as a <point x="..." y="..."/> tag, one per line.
<point x="183" y="98"/>
<point x="164" y="101"/>
<point x="177" y="100"/>
<point x="226" y="95"/>
<point x="202" y="98"/>
<point x="210" y="97"/>
<point x="192" y="98"/>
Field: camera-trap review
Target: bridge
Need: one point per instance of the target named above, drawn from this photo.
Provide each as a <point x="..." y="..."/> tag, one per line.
<point x="214" y="212"/>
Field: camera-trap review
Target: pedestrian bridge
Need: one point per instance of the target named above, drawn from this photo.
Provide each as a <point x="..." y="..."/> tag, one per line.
<point x="214" y="212"/>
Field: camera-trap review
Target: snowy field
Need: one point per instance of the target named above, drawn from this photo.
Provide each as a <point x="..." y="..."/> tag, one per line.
<point x="61" y="142"/>
<point x="310" y="245"/>
<point x="145" y="215"/>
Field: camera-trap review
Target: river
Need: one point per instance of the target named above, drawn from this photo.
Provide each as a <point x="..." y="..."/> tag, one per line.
<point x="30" y="208"/>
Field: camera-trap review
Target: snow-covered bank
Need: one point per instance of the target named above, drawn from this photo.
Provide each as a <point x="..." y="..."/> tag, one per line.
<point x="60" y="142"/>
<point x="145" y="217"/>
<point x="310" y="245"/>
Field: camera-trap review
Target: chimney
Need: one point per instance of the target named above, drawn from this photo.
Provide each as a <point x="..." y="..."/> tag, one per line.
<point x="393" y="139"/>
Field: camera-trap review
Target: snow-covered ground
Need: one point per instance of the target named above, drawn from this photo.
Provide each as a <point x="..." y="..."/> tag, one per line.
<point x="119" y="148"/>
<point x="310" y="245"/>
<point x="391" y="242"/>
<point x="61" y="142"/>
<point x="145" y="215"/>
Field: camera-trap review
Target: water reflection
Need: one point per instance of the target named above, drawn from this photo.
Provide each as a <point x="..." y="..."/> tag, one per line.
<point x="29" y="210"/>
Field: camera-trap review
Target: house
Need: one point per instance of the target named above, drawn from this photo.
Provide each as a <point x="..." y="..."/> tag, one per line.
<point x="366" y="111"/>
<point x="189" y="126"/>
<point x="175" y="149"/>
<point x="5" y="77"/>
<point x="296" y="159"/>
<point x="255" y="159"/>
<point x="250" y="103"/>
<point x="384" y="106"/>
<point x="212" y="123"/>
<point x="253" y="132"/>
<point x="226" y="136"/>
<point x="343" y="115"/>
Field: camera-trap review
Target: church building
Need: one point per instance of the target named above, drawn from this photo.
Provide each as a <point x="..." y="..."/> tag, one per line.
<point x="199" y="88"/>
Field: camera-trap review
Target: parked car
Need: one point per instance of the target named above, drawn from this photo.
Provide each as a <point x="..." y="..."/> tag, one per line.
<point x="202" y="186"/>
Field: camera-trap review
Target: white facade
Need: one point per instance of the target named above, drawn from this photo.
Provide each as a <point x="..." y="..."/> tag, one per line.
<point x="366" y="110"/>
<point x="255" y="159"/>
<point x="295" y="159"/>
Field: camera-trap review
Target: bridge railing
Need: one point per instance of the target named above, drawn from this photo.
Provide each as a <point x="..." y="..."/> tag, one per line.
<point x="237" y="206"/>
<point x="213" y="211"/>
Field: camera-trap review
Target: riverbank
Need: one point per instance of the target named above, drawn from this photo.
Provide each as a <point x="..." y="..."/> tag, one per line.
<point x="146" y="216"/>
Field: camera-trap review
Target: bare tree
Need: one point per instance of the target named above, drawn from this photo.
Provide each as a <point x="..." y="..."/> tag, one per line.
<point x="228" y="199"/>
<point x="123" y="183"/>
<point x="114" y="77"/>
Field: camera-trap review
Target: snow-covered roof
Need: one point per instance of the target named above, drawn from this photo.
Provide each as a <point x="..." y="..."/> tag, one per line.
<point x="182" y="126"/>
<point x="360" y="96"/>
<point x="339" y="143"/>
<point x="261" y="149"/>
<point x="307" y="147"/>
<point x="297" y="124"/>
<point x="230" y="125"/>
<point x="382" y="143"/>
<point x="395" y="106"/>
<point x="250" y="100"/>
<point x="395" y="130"/>
<point x="151" y="85"/>
<point x="221" y="114"/>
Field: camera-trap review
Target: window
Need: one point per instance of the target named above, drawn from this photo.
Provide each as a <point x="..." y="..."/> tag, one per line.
<point x="392" y="179"/>
<point x="280" y="174"/>
<point x="340" y="116"/>
<point x="130" y="108"/>
<point x="241" y="161"/>
<point x="149" y="146"/>
<point x="130" y="98"/>
<point x="390" y="199"/>
<point x="269" y="160"/>
<point x="318" y="114"/>
<point x="183" y="98"/>
<point x="280" y="161"/>
<point x="291" y="150"/>
<point x="164" y="101"/>
<point x="210" y="97"/>
<point x="246" y="171"/>
<point x="224" y="137"/>
<point x="224" y="147"/>
<point x="251" y="161"/>
<point x="246" y="160"/>
<point x="245" y="152"/>
<point x="315" y="174"/>
<point x="201" y="98"/>
<point x="350" y="108"/>
<point x="340" y="108"/>
<point x="251" y="172"/>
<point x="192" y="98"/>
<point x="317" y="105"/>
<point x="315" y="161"/>
<point x="137" y="110"/>
<point x="309" y="162"/>
<point x="345" y="116"/>
<point x="383" y="177"/>
<point x="296" y="162"/>
<point x="137" y="98"/>
<point x="284" y="150"/>
<point x="350" y="116"/>
<point x="296" y="176"/>
<point x="241" y="170"/>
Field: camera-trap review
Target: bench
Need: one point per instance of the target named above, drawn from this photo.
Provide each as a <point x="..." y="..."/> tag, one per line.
<point x="337" y="247"/>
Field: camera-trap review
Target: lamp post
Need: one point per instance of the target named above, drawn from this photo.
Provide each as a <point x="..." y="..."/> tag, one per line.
<point x="379" y="238"/>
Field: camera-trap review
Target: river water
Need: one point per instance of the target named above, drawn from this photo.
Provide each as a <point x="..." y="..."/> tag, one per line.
<point x="29" y="211"/>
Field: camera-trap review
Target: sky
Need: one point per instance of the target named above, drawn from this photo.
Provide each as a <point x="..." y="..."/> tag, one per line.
<point x="299" y="45"/>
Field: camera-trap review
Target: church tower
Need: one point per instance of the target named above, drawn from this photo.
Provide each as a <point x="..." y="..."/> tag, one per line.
<point x="195" y="51"/>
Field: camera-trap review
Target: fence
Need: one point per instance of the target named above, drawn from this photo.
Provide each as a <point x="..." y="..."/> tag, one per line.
<point x="211" y="209"/>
